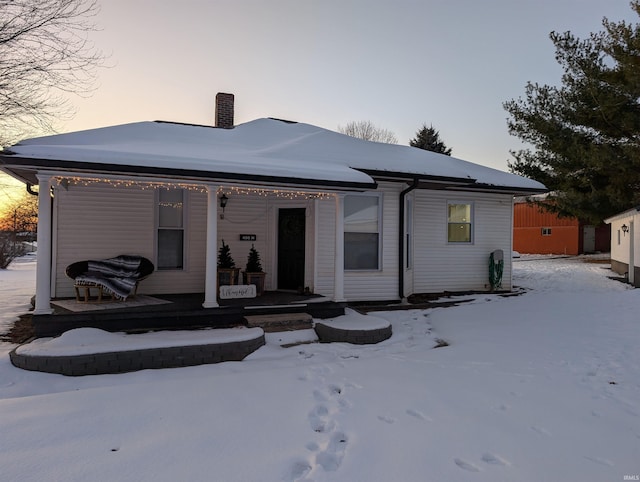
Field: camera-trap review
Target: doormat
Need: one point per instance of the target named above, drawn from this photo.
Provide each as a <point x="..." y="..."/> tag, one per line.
<point x="139" y="300"/>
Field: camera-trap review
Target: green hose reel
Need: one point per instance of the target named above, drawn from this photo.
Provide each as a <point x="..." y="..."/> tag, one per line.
<point x="496" y="266"/>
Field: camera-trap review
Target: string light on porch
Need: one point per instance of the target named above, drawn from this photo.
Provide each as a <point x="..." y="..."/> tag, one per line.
<point x="129" y="183"/>
<point x="279" y="193"/>
<point x="235" y="190"/>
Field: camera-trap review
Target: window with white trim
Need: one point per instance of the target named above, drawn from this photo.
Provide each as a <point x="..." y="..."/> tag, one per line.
<point x="459" y="222"/>
<point x="362" y="214"/>
<point x="170" y="241"/>
<point x="546" y="231"/>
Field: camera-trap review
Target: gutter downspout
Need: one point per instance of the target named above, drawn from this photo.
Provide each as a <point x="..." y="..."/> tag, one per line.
<point x="403" y="194"/>
<point x="30" y="190"/>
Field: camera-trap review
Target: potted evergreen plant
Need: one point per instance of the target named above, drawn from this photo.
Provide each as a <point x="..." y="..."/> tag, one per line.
<point x="228" y="274"/>
<point x="253" y="274"/>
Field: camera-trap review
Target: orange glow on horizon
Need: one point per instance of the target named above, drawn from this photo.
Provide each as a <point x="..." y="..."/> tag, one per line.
<point x="11" y="190"/>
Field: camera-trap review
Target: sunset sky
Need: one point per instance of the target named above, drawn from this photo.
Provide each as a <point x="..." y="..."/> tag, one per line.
<point x="399" y="64"/>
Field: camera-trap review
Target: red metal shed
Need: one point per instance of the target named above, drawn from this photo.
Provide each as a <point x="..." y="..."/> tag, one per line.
<point x="537" y="231"/>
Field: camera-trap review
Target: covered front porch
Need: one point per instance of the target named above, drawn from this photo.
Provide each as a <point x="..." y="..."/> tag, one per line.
<point x="264" y="216"/>
<point x="175" y="331"/>
<point x="177" y="312"/>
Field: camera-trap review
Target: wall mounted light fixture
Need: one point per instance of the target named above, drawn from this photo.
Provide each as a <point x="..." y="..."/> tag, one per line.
<point x="625" y="229"/>
<point x="223" y="204"/>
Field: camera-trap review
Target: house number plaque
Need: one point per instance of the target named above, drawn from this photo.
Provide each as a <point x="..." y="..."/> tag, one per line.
<point x="248" y="237"/>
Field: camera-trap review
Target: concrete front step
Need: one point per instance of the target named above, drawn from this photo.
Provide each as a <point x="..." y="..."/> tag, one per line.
<point x="280" y="322"/>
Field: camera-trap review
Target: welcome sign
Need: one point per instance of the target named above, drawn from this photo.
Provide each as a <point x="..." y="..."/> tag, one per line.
<point x="237" y="291"/>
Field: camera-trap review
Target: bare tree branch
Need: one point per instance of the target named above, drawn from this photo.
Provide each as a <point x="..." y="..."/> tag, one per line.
<point x="369" y="132"/>
<point x="45" y="53"/>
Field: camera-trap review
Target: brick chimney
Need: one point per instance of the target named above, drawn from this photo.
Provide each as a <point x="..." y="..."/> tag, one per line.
<point x="224" y="110"/>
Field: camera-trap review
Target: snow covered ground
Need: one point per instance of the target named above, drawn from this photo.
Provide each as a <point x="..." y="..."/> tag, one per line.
<point x="542" y="386"/>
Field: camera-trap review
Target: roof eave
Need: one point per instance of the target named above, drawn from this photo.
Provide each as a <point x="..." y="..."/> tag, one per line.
<point x="18" y="168"/>
<point x="513" y="190"/>
<point x="451" y="183"/>
<point x="624" y="214"/>
<point x="399" y="176"/>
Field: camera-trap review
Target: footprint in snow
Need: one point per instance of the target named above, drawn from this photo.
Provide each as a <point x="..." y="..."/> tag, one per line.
<point x="299" y="470"/>
<point x="466" y="465"/>
<point x="319" y="421"/>
<point x="494" y="460"/>
<point x="419" y="415"/>
<point x="331" y="458"/>
<point x="335" y="390"/>
<point x="319" y="396"/>
<point x="600" y="461"/>
<point x="540" y="430"/>
<point x="389" y="420"/>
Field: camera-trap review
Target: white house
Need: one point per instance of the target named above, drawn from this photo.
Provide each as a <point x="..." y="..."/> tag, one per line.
<point x="625" y="244"/>
<point x="349" y="219"/>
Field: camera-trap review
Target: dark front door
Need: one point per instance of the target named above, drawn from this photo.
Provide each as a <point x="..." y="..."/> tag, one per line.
<point x="291" y="227"/>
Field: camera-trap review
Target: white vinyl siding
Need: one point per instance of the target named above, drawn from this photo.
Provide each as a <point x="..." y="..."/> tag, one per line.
<point x="409" y="240"/>
<point x="620" y="250"/>
<point x="255" y="214"/>
<point x="441" y="266"/>
<point x="101" y="221"/>
<point x="381" y="284"/>
<point x="325" y="246"/>
<point x="244" y="214"/>
<point x="408" y="233"/>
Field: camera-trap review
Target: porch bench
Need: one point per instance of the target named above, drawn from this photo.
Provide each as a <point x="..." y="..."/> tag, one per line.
<point x="118" y="277"/>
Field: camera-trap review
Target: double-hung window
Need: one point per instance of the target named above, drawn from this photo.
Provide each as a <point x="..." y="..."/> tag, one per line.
<point x="459" y="222"/>
<point x="362" y="232"/>
<point x="170" y="228"/>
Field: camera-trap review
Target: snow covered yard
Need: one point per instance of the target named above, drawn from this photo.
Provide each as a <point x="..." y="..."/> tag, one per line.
<point x="542" y="386"/>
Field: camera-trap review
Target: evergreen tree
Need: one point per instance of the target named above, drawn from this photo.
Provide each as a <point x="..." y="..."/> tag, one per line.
<point x="586" y="133"/>
<point x="254" y="264"/>
<point x="428" y="138"/>
<point x="224" y="257"/>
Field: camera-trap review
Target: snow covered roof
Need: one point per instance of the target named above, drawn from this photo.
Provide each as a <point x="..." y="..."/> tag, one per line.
<point x="260" y="150"/>
<point x="623" y="215"/>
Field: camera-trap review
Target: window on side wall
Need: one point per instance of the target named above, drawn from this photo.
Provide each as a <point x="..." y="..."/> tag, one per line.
<point x="459" y="222"/>
<point x="362" y="232"/>
<point x="546" y="231"/>
<point x="170" y="243"/>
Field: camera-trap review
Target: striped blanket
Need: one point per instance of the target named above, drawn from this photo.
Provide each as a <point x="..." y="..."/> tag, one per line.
<point x="117" y="276"/>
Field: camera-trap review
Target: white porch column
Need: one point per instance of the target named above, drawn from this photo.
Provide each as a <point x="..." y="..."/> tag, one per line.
<point x="338" y="282"/>
<point x="211" y="267"/>
<point x="43" y="266"/>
